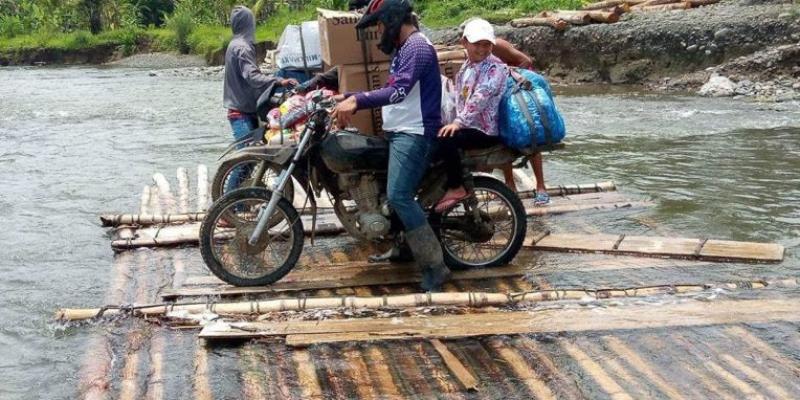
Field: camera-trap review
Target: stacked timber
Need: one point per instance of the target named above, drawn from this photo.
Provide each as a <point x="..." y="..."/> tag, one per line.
<point x="607" y="11"/>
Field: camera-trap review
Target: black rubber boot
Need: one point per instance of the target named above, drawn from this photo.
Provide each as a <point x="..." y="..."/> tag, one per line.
<point x="428" y="253"/>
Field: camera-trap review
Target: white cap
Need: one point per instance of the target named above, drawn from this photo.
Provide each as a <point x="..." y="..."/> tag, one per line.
<point x="477" y="29"/>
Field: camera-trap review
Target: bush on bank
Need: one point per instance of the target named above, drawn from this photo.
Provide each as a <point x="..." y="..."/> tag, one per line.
<point x="199" y="26"/>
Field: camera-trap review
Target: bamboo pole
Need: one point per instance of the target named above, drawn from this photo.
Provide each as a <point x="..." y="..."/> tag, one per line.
<point x="522" y="369"/>
<point x="96" y="367"/>
<point x="135" y="340"/>
<point x="465" y="299"/>
<point x="306" y="375"/>
<point x="202" y="188"/>
<point x="183" y="190"/>
<point x="111" y="220"/>
<point x="554" y="23"/>
<point x="154" y="203"/>
<point x="252" y="374"/>
<point x="555" y="375"/>
<point x="144" y="201"/>
<point x="565" y="190"/>
<point x="166" y="198"/>
<point x="360" y="374"/>
<point x="200" y="382"/>
<point x="608" y="384"/>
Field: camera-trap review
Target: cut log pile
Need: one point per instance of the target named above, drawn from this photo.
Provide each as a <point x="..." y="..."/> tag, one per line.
<point x="608" y="11"/>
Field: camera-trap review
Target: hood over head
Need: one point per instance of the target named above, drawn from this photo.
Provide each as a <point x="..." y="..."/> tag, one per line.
<point x="243" y="23"/>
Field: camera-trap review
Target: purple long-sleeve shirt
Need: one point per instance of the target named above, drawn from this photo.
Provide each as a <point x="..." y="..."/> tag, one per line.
<point x="411" y="99"/>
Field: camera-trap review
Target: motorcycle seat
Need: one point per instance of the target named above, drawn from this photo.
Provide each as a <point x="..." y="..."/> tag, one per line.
<point x="493" y="157"/>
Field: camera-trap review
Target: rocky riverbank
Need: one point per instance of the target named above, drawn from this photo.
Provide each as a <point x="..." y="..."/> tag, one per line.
<point x="675" y="50"/>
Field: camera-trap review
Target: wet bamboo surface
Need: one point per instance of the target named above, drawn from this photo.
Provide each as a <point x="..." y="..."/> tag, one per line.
<point x="724" y="359"/>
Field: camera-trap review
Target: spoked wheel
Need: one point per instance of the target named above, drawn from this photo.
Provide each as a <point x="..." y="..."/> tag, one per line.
<point x="243" y="169"/>
<point x="225" y="233"/>
<point x="484" y="230"/>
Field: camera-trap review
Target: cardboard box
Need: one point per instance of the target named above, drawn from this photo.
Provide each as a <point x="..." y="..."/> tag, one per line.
<point x="341" y="43"/>
<point x="354" y="78"/>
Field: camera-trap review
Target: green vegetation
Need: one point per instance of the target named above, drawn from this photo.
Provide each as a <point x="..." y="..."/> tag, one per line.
<point x="444" y="13"/>
<point x="200" y="26"/>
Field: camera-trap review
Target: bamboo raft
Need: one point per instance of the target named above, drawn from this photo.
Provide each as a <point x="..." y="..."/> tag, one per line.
<point x="646" y="339"/>
<point x="608" y="11"/>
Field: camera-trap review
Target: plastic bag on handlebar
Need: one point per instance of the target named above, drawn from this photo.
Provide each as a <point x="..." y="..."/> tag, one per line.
<point x="293" y="111"/>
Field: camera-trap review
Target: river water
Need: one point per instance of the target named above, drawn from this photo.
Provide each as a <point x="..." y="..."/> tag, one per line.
<point x="76" y="142"/>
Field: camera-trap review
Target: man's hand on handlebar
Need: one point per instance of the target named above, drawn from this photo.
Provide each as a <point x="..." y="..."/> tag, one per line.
<point x="291" y="82"/>
<point x="344" y="110"/>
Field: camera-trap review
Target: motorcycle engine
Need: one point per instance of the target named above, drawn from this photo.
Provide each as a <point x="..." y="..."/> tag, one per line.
<point x="366" y="193"/>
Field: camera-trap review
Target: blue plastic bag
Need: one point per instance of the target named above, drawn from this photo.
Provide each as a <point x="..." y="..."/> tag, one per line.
<point x="529" y="116"/>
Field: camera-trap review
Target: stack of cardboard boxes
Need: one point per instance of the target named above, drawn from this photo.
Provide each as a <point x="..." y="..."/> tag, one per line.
<point x="343" y="46"/>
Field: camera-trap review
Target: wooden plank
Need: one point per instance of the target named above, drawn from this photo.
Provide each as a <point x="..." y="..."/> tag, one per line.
<point x="360" y="274"/>
<point x="574" y="242"/>
<point x="680" y="248"/>
<point x="726" y="250"/>
<point x="456" y="367"/>
<point x="658" y="246"/>
<point x="690" y="313"/>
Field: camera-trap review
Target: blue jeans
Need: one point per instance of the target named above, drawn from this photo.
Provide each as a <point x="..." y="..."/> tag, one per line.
<point x="241" y="126"/>
<point x="409" y="158"/>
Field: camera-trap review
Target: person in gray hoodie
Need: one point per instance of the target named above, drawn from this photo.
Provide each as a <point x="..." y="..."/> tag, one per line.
<point x="244" y="81"/>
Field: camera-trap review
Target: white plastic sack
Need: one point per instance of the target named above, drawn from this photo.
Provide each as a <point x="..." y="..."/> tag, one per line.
<point x="448" y="101"/>
<point x="290" y="51"/>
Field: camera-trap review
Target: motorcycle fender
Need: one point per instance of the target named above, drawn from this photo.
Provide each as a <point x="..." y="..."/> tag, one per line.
<point x="281" y="156"/>
<point x="252" y="137"/>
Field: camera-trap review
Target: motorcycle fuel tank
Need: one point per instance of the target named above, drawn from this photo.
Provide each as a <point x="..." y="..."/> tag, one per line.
<point x="345" y="152"/>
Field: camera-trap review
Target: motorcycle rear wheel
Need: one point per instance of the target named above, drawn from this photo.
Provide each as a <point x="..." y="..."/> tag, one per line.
<point x="493" y="241"/>
<point x="227" y="227"/>
<point x="250" y="162"/>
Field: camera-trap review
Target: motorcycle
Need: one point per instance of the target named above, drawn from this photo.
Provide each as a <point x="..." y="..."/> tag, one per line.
<point x="241" y="164"/>
<point x="254" y="236"/>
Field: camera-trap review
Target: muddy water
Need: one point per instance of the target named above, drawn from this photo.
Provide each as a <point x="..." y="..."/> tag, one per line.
<point x="76" y="142"/>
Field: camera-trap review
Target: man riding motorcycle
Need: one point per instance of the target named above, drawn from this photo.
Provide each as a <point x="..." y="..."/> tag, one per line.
<point x="410" y="104"/>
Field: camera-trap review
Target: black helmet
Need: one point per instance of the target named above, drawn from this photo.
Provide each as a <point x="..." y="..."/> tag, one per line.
<point x="393" y="14"/>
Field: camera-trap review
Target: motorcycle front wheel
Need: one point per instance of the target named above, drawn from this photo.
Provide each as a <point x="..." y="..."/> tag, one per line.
<point x="225" y="233"/>
<point x="483" y="230"/>
<point x="242" y="168"/>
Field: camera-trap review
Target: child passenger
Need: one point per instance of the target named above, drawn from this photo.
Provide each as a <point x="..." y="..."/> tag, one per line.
<point x="480" y="85"/>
